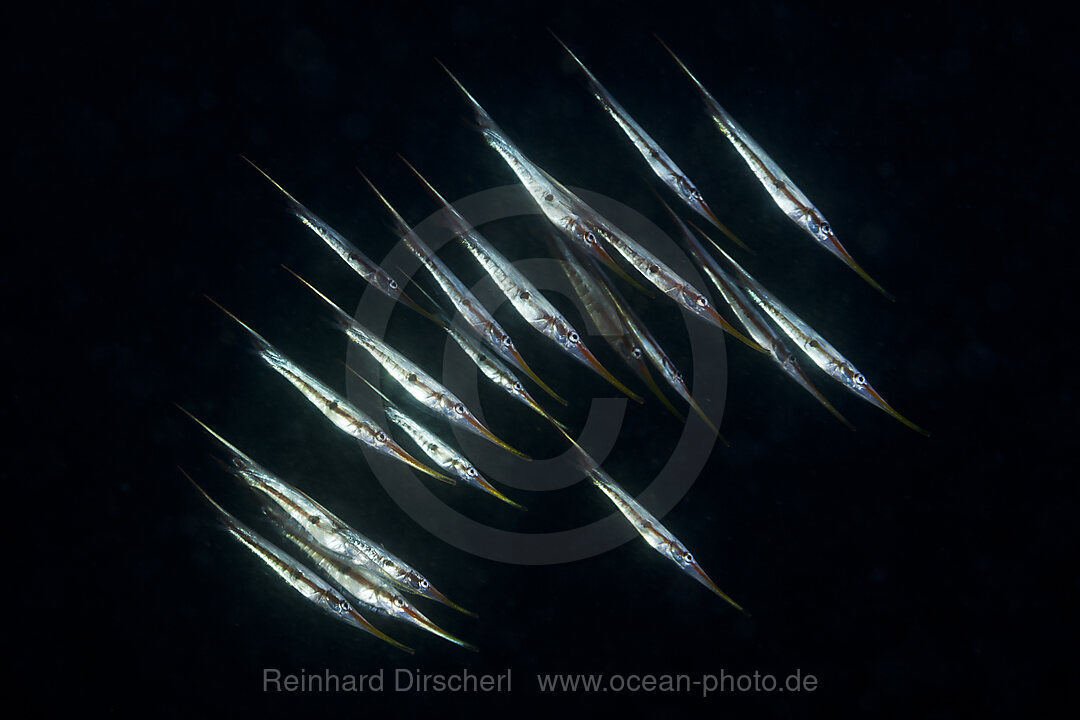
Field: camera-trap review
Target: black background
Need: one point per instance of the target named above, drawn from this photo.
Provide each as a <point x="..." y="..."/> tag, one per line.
<point x="910" y="576"/>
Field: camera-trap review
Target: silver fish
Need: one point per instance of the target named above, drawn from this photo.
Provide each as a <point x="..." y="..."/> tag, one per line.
<point x="816" y="347"/>
<point x="523" y="295"/>
<point x="787" y="196"/>
<point x="444" y="455"/>
<point x="660" y="162"/>
<point x="751" y="318"/>
<point x="645" y="340"/>
<point x="327" y="529"/>
<point x="628" y="334"/>
<point x="590" y="225"/>
<point x="471" y="309"/>
<point x="371" y="589"/>
<point x="336" y="408"/>
<point x="549" y="195"/>
<point x="358" y="261"/>
<point x="298" y="577"/>
<point x="426" y="389"/>
<point x="492" y="368"/>
<point x="655" y="534"/>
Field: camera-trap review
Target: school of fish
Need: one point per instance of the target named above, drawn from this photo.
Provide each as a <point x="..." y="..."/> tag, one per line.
<point x="343" y="572"/>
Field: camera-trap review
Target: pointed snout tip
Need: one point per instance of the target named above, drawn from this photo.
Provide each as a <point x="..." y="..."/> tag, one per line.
<point x="880" y="402"/>
<point x="438" y="596"/>
<point x="484" y="432"/>
<point x="707" y="582"/>
<point x="417" y="465"/>
<point x="491" y="490"/>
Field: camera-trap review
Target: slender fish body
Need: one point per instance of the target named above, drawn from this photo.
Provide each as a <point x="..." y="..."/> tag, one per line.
<point x="491" y="367"/>
<point x="431" y="393"/>
<point x="625" y="332"/>
<point x="353" y="257"/>
<point x="813" y="345"/>
<point x="333" y="406"/>
<point x="524" y="295"/>
<point x="787" y="196"/>
<point x="445" y="456"/>
<point x="312" y="587"/>
<point x="654" y="533"/>
<point x="370" y="589"/>
<point x="471" y="309"/>
<point x="496" y="372"/>
<point x="550" y="196"/>
<point x="325" y="528"/>
<point x="555" y="200"/>
<point x="756" y="325"/>
<point x="659" y="161"/>
<point x="645" y="340"/>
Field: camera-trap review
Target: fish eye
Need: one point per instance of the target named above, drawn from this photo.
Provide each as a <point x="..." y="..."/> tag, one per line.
<point x="399" y="602"/>
<point x="636" y="352"/>
<point x="471" y="472"/>
<point x="344" y="605"/>
<point x="573" y="337"/>
<point x="549" y="198"/>
<point x="507" y="342"/>
<point x="380" y="436"/>
<point x="860" y="379"/>
<point x="459" y="408"/>
<point x="588" y="237"/>
<point x="518" y="386"/>
<point x="702" y="301"/>
<point x="688" y="558"/>
<point x="392" y="284"/>
<point x="825" y="228"/>
<point x="424" y="584"/>
<point x="696" y="194"/>
<point x="524" y="295"/>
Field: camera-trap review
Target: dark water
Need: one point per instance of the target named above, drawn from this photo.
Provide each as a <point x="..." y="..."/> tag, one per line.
<point x="905" y="574"/>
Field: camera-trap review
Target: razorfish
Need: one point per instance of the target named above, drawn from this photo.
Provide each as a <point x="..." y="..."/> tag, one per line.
<point x="353" y="257"/>
<point x="314" y="589"/>
<point x="327" y="529"/>
<point x="431" y="393"/>
<point x="536" y="309"/>
<point x="625" y="331"/>
<point x="655" y="534"/>
<point x="590" y="225"/>
<point x="442" y="453"/>
<point x="659" y="161"/>
<point x="370" y="589"/>
<point x="346" y="417"/>
<point x="751" y="318"/>
<point x="816" y="347"/>
<point x="472" y="310"/>
<point x="787" y="196"/>
<point x="491" y="367"/>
